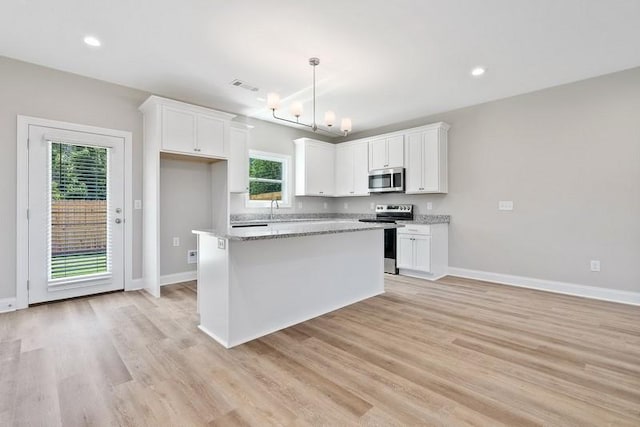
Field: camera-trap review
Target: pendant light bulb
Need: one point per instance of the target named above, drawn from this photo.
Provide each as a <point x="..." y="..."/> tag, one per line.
<point x="296" y="109"/>
<point x="273" y="101"/>
<point x="329" y="118"/>
<point x="345" y="125"/>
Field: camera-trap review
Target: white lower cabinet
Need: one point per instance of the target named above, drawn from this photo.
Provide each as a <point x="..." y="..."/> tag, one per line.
<point x="405" y="253"/>
<point x="422" y="250"/>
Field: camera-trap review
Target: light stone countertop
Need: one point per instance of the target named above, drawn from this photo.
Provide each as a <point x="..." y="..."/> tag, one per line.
<point x="428" y="219"/>
<point x="296" y="229"/>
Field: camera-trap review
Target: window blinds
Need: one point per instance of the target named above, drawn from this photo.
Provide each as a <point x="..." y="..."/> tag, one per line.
<point x="79" y="216"/>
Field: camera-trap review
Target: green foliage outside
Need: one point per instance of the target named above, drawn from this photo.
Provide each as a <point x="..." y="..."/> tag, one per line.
<point x="78" y="265"/>
<point x="260" y="169"/>
<point x="78" y="172"/>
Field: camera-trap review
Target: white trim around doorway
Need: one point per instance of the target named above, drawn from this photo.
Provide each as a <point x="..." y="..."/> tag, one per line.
<point x="22" y="200"/>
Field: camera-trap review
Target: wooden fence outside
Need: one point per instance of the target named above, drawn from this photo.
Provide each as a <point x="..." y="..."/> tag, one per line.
<point x="267" y="196"/>
<point x="78" y="226"/>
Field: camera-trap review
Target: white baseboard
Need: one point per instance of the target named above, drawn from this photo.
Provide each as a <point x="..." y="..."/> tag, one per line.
<point x="420" y="275"/>
<point x="214" y="336"/>
<point x="593" y="292"/>
<point x="170" y="279"/>
<point x="7" y="304"/>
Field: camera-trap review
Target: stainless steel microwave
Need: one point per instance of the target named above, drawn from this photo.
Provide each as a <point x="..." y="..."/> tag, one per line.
<point x="386" y="180"/>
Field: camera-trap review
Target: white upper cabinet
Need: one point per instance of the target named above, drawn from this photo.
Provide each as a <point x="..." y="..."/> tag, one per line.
<point x="377" y="154"/>
<point x="426" y="159"/>
<point x="178" y="130"/>
<point x="188" y="129"/>
<point x="210" y="136"/>
<point x="386" y="152"/>
<point x="361" y="169"/>
<point x="395" y="152"/>
<point x="351" y="169"/>
<point x="238" y="160"/>
<point x="344" y="170"/>
<point x="314" y="167"/>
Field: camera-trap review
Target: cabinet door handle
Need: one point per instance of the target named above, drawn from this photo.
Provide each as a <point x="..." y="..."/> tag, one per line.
<point x="196" y="149"/>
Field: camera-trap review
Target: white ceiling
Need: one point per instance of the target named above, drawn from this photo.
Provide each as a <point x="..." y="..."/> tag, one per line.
<point x="382" y="61"/>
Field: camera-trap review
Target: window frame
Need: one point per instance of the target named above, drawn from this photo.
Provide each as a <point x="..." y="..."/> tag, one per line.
<point x="285" y="160"/>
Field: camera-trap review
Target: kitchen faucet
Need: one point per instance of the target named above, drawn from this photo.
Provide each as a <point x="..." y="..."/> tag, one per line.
<point x="277" y="207"/>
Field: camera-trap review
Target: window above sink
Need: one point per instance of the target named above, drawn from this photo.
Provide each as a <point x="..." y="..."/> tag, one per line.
<point x="268" y="179"/>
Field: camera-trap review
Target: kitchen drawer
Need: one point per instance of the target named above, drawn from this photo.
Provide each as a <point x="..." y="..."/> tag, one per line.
<point x="421" y="229"/>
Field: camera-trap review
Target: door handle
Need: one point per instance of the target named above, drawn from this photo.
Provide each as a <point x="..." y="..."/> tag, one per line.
<point x="118" y="220"/>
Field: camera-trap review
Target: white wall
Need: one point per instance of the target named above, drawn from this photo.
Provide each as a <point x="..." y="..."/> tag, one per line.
<point x="569" y="158"/>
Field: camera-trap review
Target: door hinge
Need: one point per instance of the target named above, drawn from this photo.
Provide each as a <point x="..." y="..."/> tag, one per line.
<point x="28" y="284"/>
<point x="28" y="143"/>
<point x="27" y="214"/>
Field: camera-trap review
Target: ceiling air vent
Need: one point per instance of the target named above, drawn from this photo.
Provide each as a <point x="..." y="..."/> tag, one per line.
<point x="243" y="85"/>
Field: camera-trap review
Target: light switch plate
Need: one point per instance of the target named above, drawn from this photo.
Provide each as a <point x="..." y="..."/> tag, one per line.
<point x="372" y="206"/>
<point x="326" y="205"/>
<point x="346" y="205"/>
<point x="595" y="265"/>
<point x="192" y="256"/>
<point x="429" y="206"/>
<point x="221" y="244"/>
<point x="176" y="241"/>
<point x="137" y="204"/>
<point x="299" y="205"/>
<point x="505" y="205"/>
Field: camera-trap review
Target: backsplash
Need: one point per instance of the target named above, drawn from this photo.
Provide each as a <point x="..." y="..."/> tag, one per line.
<point x="422" y="219"/>
<point x="295" y="216"/>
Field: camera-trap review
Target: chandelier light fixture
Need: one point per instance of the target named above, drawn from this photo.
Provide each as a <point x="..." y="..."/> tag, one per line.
<point x="273" y="102"/>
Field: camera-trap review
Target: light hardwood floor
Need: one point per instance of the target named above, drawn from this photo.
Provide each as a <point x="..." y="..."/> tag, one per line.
<point x="454" y="352"/>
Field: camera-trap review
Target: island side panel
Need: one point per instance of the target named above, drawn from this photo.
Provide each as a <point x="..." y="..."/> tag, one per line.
<point x="213" y="287"/>
<point x="276" y="283"/>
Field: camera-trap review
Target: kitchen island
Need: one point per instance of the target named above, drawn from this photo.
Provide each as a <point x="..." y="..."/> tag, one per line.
<point x="253" y="281"/>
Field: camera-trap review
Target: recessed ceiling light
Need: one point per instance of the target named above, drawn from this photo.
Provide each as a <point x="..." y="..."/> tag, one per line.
<point x="477" y="72"/>
<point x="261" y="99"/>
<point x="92" y="41"/>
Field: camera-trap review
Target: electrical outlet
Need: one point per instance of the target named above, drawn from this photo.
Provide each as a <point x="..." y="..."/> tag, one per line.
<point x="221" y="244"/>
<point x="299" y="205"/>
<point x="176" y="241"/>
<point x="372" y="206"/>
<point x="429" y="206"/>
<point x="595" y="265"/>
<point x="505" y="205"/>
<point x="137" y="204"/>
<point x="326" y="205"/>
<point x="346" y="205"/>
<point x="192" y="256"/>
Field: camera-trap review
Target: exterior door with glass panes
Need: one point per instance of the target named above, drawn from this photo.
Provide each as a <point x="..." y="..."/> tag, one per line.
<point x="76" y="219"/>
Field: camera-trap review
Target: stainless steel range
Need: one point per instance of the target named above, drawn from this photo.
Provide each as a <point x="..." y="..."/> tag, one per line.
<point x="391" y="214"/>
